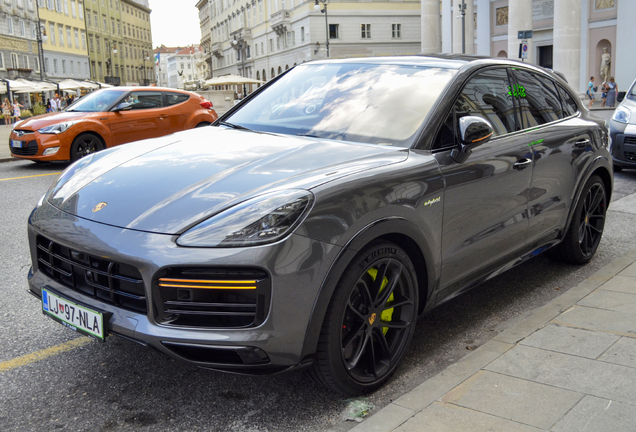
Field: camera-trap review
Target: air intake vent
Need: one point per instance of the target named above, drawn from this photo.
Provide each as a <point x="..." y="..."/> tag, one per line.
<point x="109" y="281"/>
<point x="213" y="297"/>
<point x="31" y="149"/>
<point x="630" y="140"/>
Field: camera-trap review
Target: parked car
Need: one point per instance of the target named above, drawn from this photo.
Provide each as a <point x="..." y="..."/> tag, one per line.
<point x="106" y="118"/>
<point x="622" y="127"/>
<point x="338" y="203"/>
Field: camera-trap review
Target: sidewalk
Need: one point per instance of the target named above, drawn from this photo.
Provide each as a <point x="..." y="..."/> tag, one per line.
<point x="570" y="366"/>
<point x="5" y="151"/>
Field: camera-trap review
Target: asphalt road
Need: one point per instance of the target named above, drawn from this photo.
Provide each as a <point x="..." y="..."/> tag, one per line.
<point x="119" y="385"/>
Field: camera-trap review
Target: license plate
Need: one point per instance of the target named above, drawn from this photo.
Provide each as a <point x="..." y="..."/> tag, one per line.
<point x="78" y="318"/>
<point x="17" y="144"/>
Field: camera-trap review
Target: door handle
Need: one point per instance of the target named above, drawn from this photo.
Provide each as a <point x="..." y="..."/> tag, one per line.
<point x="522" y="163"/>
<point x="163" y="116"/>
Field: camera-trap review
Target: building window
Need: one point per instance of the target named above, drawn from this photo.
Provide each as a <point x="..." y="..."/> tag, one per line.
<point x="365" y="31"/>
<point x="69" y="41"/>
<point x="22" y="29"/>
<point x="60" y="32"/>
<point x="396" y="31"/>
<point x="55" y="66"/>
<point x="91" y="43"/>
<point x="98" y="42"/>
<point x="14" y="61"/>
<point x="88" y="19"/>
<point x="74" y="8"/>
<point x="83" y="40"/>
<point x="58" y="6"/>
<point x="63" y="67"/>
<point x="37" y="64"/>
<point x="10" y="25"/>
<point x="76" y="34"/>
<point x="52" y="33"/>
<point x="302" y="34"/>
<point x="66" y="7"/>
<point x="334" y="31"/>
<point x="80" y="9"/>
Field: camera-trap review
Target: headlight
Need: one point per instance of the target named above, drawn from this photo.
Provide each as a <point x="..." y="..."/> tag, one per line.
<point x="264" y="219"/>
<point x="57" y="128"/>
<point x="622" y="115"/>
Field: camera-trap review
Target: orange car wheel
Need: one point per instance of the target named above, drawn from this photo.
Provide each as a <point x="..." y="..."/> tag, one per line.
<point x="85" y="144"/>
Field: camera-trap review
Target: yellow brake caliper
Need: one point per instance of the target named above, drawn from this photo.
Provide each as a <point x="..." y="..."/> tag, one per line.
<point x="387" y="315"/>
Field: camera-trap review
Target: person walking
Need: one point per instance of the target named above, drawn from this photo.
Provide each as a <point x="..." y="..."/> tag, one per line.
<point x="603" y="94"/>
<point x="16" y="109"/>
<point x="56" y="103"/>
<point x="6" y="112"/>
<point x="612" y="91"/>
<point x="590" y="92"/>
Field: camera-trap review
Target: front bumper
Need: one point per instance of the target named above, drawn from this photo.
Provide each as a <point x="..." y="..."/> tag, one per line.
<point x="35" y="144"/>
<point x="297" y="266"/>
<point x="623" y="144"/>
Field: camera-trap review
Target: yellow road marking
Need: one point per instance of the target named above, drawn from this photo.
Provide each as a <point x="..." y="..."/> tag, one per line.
<point x="37" y="175"/>
<point x="42" y="354"/>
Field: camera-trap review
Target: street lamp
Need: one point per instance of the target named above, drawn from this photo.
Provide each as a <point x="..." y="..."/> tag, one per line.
<point x="239" y="46"/>
<point x="111" y="78"/>
<point x="462" y="11"/>
<point x="40" y="33"/>
<point x="324" y="10"/>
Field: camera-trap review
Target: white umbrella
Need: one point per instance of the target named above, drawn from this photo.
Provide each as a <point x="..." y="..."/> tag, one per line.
<point x="232" y="80"/>
<point x="89" y="85"/>
<point x="71" y="84"/>
<point x="32" y="86"/>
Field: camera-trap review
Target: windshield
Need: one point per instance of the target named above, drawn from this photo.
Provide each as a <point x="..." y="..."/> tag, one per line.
<point x="371" y="103"/>
<point x="100" y="100"/>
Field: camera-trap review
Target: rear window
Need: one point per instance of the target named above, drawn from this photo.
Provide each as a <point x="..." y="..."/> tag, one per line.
<point x="176" y="98"/>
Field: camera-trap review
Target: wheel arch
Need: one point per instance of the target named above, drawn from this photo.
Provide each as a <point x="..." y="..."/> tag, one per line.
<point x="396" y="230"/>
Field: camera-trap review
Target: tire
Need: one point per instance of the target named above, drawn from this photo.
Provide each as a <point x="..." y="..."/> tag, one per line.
<point x="586" y="227"/>
<point x="362" y="340"/>
<point x="85" y="144"/>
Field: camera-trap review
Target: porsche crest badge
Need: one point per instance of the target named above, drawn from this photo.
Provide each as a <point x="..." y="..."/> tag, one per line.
<point x="99" y="206"/>
<point x="372" y="318"/>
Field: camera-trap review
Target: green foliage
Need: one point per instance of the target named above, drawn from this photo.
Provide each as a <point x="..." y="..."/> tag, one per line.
<point x="38" y="109"/>
<point x="26" y="114"/>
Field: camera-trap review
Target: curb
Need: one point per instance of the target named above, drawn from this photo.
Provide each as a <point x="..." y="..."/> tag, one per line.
<point x="408" y="405"/>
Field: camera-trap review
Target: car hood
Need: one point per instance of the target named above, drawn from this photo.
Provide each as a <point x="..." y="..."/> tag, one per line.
<point x="38" y="122"/>
<point x="168" y="184"/>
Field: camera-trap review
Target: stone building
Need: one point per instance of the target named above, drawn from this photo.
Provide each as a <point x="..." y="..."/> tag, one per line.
<point x="182" y="67"/>
<point x="161" y="55"/>
<point x="262" y="38"/>
<point x="567" y="35"/>
<point x="19" y="55"/>
<point x="64" y="39"/>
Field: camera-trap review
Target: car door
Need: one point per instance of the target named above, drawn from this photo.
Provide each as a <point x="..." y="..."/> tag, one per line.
<point x="560" y="143"/>
<point x="485" y="199"/>
<point x="146" y="118"/>
<point x="180" y="110"/>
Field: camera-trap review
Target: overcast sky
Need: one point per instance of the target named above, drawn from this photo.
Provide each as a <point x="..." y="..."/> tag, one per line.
<point x="174" y="23"/>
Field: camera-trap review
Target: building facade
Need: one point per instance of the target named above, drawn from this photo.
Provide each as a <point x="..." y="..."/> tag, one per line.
<point x="161" y="55"/>
<point x="580" y="38"/>
<point x="64" y="39"/>
<point x="262" y="38"/>
<point x="182" y="67"/>
<point x="119" y="41"/>
<point x="19" y="54"/>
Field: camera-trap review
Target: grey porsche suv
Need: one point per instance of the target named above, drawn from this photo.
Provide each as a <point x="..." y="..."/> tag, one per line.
<point x="311" y="225"/>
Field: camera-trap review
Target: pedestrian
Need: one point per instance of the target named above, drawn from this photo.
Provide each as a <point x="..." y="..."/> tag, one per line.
<point x="56" y="104"/>
<point x="16" y="110"/>
<point x="603" y="94"/>
<point x="590" y="92"/>
<point x="6" y="112"/>
<point x="48" y="105"/>
<point x="69" y="100"/>
<point x="612" y="91"/>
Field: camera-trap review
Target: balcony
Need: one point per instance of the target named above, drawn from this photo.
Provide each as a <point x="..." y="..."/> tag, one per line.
<point x="217" y="49"/>
<point x="243" y="33"/>
<point x="280" y="21"/>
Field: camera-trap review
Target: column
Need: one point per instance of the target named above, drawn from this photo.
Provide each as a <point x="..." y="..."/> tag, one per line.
<point x="567" y="40"/>
<point x="469" y="29"/>
<point x="519" y="18"/>
<point x="447" y="32"/>
<point x="483" y="27"/>
<point x="430" y="22"/>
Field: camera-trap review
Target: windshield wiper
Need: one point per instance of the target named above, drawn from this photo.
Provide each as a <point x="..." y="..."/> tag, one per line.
<point x="234" y="126"/>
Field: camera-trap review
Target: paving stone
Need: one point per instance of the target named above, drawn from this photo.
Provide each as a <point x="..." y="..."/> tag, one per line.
<point x="440" y="417"/>
<point x="626" y="284"/>
<point x="568" y="372"/>
<point x="622" y="352"/>
<point x="594" y="414"/>
<point x="607" y="321"/>
<point x="611" y="300"/>
<point x="385" y="420"/>
<point x="514" y="399"/>
<point x="629" y="271"/>
<point x="569" y="340"/>
<point x="625" y="205"/>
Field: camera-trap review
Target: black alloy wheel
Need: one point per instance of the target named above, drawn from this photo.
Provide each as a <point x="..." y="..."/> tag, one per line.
<point x="370" y="321"/>
<point x="586" y="227"/>
<point x="84" y="145"/>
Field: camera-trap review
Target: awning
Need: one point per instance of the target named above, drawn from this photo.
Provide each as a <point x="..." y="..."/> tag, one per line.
<point x="71" y="84"/>
<point x="25" y="86"/>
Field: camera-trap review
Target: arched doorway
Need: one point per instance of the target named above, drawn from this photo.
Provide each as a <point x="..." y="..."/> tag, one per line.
<point x="502" y="54"/>
<point x="264" y="75"/>
<point x="273" y="73"/>
<point x="286" y="67"/>
<point x="280" y="70"/>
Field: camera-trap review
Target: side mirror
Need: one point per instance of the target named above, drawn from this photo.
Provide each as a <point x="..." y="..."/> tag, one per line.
<point x="621" y="96"/>
<point x="124" y="106"/>
<point x="474" y="131"/>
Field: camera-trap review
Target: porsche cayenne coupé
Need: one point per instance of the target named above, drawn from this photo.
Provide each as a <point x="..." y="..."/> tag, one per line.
<point x="311" y="225"/>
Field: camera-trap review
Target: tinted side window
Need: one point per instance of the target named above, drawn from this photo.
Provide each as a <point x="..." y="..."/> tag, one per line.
<point x="144" y="100"/>
<point x="486" y="95"/>
<point x="569" y="106"/>
<point x="537" y="98"/>
<point x="176" y="98"/>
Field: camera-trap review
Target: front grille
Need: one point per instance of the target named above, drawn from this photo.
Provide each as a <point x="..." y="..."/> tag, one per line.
<point x="30" y="150"/>
<point x="212" y="297"/>
<point x="108" y="281"/>
<point x="630" y="140"/>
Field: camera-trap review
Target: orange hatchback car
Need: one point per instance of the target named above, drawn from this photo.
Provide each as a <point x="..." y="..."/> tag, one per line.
<point x="106" y="118"/>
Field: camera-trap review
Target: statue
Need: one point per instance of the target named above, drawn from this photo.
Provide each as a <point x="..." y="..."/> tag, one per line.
<point x="606" y="62"/>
